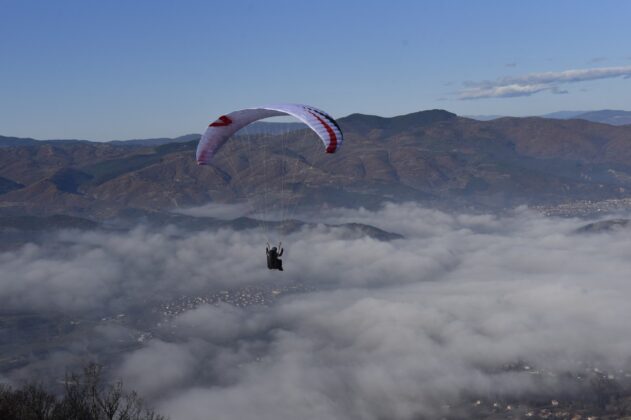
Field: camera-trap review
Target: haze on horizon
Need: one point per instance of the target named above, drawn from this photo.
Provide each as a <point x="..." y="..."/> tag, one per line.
<point x="121" y="70"/>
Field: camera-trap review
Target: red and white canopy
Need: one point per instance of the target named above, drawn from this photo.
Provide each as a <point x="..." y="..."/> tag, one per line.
<point x="218" y="132"/>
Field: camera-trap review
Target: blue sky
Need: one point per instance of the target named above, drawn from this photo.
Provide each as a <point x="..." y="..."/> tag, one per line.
<point x="116" y="69"/>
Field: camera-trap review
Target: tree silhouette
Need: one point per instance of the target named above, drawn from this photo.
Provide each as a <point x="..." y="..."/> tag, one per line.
<point x="85" y="397"/>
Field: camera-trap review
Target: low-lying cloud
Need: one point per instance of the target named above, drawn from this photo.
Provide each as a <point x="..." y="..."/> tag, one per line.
<point x="395" y="329"/>
<point x="532" y="83"/>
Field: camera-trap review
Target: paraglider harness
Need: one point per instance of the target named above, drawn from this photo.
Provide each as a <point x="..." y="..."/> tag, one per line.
<point x="273" y="260"/>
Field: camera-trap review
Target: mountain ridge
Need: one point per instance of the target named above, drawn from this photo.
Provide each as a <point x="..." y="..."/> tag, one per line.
<point x="604" y="116"/>
<point x="431" y="156"/>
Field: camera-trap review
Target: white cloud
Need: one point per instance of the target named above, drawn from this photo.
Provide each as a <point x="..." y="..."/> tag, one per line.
<point x="171" y="365"/>
<point x="392" y="330"/>
<point x="538" y="82"/>
<point x="219" y="211"/>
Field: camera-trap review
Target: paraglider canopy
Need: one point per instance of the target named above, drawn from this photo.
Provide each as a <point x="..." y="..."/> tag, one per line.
<point x="219" y="131"/>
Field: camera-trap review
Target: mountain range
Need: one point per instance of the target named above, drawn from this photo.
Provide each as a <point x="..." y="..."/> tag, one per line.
<point x="260" y="127"/>
<point x="605" y="116"/>
<point x="433" y="156"/>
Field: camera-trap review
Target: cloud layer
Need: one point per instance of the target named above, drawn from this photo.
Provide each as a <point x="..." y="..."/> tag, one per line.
<point x="389" y="329"/>
<point x="538" y="82"/>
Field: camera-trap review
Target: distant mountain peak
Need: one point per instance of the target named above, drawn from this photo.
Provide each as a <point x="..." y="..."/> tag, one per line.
<point x="431" y="114"/>
<point x="603" y="116"/>
<point x="400" y="121"/>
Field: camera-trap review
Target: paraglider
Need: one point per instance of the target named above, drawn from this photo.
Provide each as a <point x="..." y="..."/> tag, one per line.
<point x="222" y="129"/>
<point x="219" y="131"/>
<point x="273" y="260"/>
